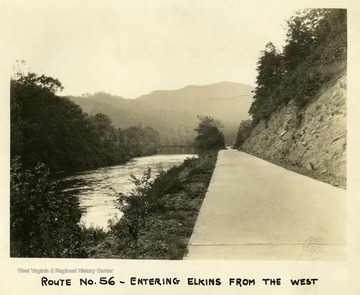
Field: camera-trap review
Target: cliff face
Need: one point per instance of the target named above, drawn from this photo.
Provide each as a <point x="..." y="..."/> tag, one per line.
<point x="313" y="142"/>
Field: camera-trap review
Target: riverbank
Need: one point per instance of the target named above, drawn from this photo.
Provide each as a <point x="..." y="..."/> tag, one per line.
<point x="160" y="225"/>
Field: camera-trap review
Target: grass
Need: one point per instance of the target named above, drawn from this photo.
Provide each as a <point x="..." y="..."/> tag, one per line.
<point x="167" y="227"/>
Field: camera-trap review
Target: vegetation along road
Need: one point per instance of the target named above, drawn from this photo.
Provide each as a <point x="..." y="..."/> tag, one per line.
<point x="256" y="210"/>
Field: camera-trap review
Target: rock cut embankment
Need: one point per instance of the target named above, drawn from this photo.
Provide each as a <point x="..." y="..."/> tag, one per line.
<point x="311" y="141"/>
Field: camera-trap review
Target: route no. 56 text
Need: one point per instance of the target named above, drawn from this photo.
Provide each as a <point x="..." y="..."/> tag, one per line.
<point x="82" y="281"/>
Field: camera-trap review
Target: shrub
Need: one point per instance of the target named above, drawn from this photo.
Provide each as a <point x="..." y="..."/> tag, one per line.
<point x="43" y="220"/>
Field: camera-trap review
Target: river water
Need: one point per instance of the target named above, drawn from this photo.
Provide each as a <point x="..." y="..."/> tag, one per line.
<point x="95" y="188"/>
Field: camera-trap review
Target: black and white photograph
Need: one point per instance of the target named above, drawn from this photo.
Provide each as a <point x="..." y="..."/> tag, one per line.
<point x="170" y="146"/>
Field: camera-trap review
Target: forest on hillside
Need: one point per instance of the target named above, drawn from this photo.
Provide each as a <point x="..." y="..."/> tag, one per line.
<point x="314" y="55"/>
<point x="173" y="113"/>
<point x="52" y="134"/>
<point x="48" y="131"/>
<point x="173" y="126"/>
<point x="55" y="131"/>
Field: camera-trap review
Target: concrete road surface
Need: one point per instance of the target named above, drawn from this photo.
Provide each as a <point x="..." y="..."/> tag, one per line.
<point x="259" y="211"/>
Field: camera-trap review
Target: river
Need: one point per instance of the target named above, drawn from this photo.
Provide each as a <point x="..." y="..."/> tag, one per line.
<point x="95" y="188"/>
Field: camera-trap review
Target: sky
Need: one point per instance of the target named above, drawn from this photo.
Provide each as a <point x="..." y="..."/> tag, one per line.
<point x="130" y="48"/>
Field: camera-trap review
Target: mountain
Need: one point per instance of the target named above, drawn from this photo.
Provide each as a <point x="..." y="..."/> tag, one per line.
<point x="174" y="112"/>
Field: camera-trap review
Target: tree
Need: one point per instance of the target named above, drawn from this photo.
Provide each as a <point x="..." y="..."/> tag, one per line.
<point x="209" y="136"/>
<point x="270" y="73"/>
<point x="244" y="132"/>
<point x="55" y="131"/>
<point x="314" y="54"/>
<point x="141" y="141"/>
<point x="34" y="80"/>
<point x="302" y="36"/>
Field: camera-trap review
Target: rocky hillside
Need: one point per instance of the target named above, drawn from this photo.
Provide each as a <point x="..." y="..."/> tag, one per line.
<point x="312" y="141"/>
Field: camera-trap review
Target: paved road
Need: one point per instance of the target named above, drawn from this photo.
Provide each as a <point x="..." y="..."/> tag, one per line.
<point x="259" y="211"/>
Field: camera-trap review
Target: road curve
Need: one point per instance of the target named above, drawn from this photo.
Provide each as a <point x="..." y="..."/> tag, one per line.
<point x="256" y="210"/>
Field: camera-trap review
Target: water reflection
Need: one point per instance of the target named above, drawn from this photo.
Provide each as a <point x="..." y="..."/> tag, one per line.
<point x="95" y="188"/>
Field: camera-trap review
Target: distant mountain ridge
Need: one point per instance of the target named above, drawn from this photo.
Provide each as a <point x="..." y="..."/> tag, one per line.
<point x="174" y="112"/>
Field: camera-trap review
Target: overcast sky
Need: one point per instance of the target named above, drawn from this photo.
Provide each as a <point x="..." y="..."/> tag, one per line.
<point x="133" y="47"/>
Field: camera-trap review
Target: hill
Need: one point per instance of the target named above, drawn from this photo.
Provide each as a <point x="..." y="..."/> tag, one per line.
<point x="299" y="108"/>
<point x="317" y="146"/>
<point x="173" y="113"/>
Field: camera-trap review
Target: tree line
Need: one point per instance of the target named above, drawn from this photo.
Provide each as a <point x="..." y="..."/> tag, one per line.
<point x="49" y="134"/>
<point x="55" y="131"/>
<point x="314" y="54"/>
